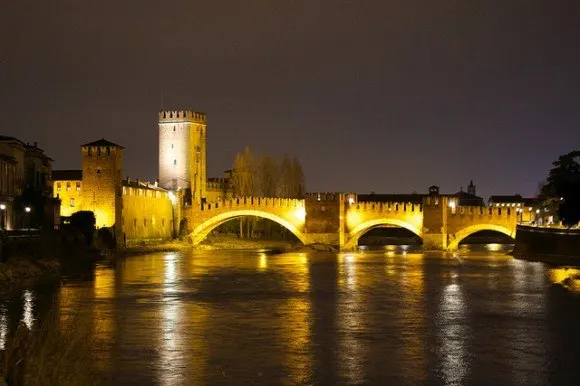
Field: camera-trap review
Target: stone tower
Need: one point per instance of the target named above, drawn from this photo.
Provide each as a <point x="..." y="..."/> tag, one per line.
<point x="182" y="152"/>
<point x="102" y="163"/>
<point x="471" y="188"/>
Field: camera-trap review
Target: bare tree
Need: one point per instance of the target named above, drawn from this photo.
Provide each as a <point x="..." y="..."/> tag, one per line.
<point x="244" y="178"/>
<point x="268" y="176"/>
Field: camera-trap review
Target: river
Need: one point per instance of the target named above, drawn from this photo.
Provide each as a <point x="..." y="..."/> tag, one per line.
<point x="392" y="316"/>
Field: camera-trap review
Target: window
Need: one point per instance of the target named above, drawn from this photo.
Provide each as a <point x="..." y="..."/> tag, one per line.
<point x="58" y="186"/>
<point x="163" y="222"/>
<point x="99" y="171"/>
<point x="174" y="129"/>
<point x="108" y="151"/>
<point x="68" y="186"/>
<point x="72" y="202"/>
<point x="144" y="222"/>
<point x="90" y="151"/>
<point x="135" y="223"/>
<point x="78" y="186"/>
<point x="98" y="151"/>
<point x="172" y="146"/>
<point x="174" y="162"/>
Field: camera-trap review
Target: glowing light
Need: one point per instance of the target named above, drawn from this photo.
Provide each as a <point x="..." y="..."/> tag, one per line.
<point x="452" y="204"/>
<point x="300" y="213"/>
<point x="351" y="200"/>
<point x="2" y="206"/>
<point x="27" y="209"/>
<point x="493" y="247"/>
<point x="172" y="198"/>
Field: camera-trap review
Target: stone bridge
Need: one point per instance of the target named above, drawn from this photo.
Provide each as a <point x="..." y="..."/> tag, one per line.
<point x="339" y="219"/>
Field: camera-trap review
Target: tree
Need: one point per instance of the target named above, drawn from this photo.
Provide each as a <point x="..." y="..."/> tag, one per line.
<point x="84" y="221"/>
<point x="244" y="178"/>
<point x="562" y="188"/>
<point x="268" y="176"/>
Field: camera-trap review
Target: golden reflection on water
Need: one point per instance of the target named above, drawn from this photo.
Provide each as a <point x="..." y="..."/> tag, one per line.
<point x="350" y="310"/>
<point x="567" y="277"/>
<point x="180" y="349"/>
<point x="296" y="321"/>
<point x="262" y="262"/>
<point x="103" y="315"/>
<point x="452" y="333"/>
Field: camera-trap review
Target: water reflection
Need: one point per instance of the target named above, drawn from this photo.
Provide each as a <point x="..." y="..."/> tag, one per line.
<point x="350" y="310"/>
<point x="566" y="277"/>
<point x="391" y="316"/>
<point x="452" y="335"/>
<point x="3" y="327"/>
<point x="28" y="305"/>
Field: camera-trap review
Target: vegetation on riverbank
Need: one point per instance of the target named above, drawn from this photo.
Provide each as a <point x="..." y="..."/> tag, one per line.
<point x="21" y="268"/>
<point x="57" y="352"/>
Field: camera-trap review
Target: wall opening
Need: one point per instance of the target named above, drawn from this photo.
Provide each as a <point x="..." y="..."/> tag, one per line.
<point x="487" y="241"/>
<point x="383" y="235"/>
<point x="252" y="228"/>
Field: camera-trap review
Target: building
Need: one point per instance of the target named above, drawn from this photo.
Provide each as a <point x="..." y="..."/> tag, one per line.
<point x="25" y="172"/>
<point x="529" y="209"/>
<point x="182" y="153"/>
<point x="461" y="198"/>
<point x="135" y="210"/>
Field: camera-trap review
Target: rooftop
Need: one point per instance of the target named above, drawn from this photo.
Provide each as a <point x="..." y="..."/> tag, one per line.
<point x="102" y="142"/>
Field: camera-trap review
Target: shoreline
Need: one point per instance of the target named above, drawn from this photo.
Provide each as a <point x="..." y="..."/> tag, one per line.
<point x="16" y="271"/>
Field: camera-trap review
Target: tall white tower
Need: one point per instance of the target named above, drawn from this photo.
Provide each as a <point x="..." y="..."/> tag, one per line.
<point x="182" y="152"/>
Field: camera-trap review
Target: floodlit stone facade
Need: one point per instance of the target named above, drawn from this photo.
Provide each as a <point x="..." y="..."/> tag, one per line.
<point x="137" y="211"/>
<point x="182" y="152"/>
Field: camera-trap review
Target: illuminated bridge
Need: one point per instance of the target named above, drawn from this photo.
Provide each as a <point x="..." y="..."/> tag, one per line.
<point x="339" y="219"/>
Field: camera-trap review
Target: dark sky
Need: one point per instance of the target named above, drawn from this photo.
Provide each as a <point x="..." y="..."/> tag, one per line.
<point x="385" y="96"/>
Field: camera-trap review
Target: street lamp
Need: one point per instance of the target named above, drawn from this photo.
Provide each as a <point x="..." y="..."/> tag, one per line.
<point x="3" y="214"/>
<point x="27" y="210"/>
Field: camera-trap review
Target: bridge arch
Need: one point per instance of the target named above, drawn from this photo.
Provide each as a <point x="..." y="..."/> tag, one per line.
<point x="201" y="231"/>
<point x="361" y="229"/>
<point x="454" y="244"/>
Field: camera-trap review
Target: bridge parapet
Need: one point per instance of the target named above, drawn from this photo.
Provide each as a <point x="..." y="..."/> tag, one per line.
<point x="482" y="211"/>
<point x="386" y="206"/>
<point x="254" y="202"/>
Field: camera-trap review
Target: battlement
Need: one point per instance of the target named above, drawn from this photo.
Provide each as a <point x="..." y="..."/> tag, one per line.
<point x="323" y="196"/>
<point x="175" y="116"/>
<point x="254" y="202"/>
<point x="386" y="206"/>
<point x="482" y="211"/>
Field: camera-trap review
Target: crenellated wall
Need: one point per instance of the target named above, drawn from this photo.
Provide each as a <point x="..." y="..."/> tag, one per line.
<point x="147" y="214"/>
<point x="338" y="219"/>
<point x="290" y="213"/>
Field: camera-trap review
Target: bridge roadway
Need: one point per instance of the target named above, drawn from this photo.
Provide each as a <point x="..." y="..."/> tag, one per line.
<point x="339" y="219"/>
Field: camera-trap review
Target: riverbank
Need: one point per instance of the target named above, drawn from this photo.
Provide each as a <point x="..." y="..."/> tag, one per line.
<point x="19" y="269"/>
<point x="216" y="242"/>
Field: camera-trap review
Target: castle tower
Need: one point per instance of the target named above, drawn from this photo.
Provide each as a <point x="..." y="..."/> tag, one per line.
<point x="471" y="188"/>
<point x="102" y="163"/>
<point x="182" y="152"/>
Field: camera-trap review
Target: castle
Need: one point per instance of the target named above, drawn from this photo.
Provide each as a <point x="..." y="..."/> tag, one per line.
<point x="140" y="210"/>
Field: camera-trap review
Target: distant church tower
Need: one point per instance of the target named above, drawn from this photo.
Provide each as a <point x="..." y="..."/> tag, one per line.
<point x="102" y="189"/>
<point x="182" y="152"/>
<point x="471" y="188"/>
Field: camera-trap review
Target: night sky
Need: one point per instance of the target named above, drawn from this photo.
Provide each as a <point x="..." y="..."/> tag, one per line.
<point x="384" y="96"/>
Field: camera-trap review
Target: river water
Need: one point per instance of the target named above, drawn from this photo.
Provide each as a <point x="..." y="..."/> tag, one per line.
<point x="392" y="316"/>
